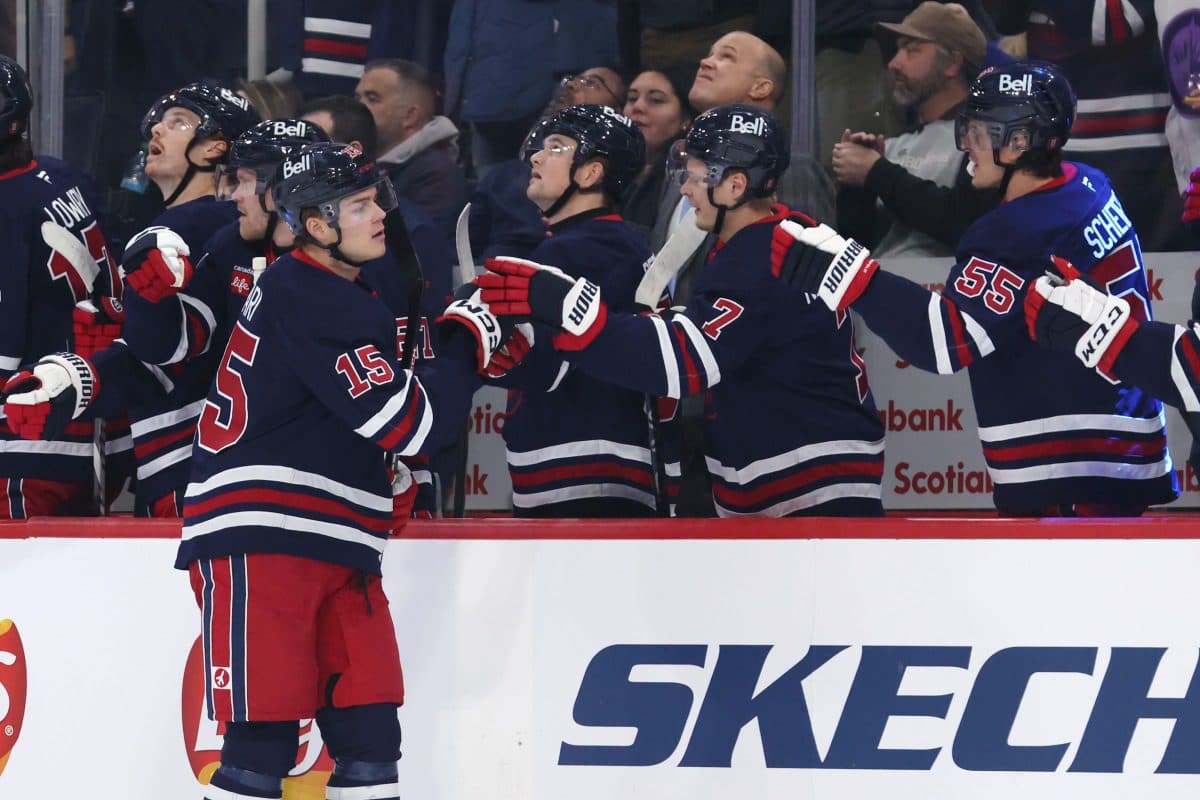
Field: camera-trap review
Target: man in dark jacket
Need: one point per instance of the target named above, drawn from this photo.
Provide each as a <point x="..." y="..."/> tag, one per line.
<point x="418" y="149"/>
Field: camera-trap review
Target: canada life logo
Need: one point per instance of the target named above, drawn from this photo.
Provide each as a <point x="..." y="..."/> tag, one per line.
<point x="13" y="683"/>
<point x="203" y="737"/>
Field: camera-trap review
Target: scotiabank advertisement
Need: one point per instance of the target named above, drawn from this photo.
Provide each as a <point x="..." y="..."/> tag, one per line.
<point x="933" y="459"/>
<point x="891" y="658"/>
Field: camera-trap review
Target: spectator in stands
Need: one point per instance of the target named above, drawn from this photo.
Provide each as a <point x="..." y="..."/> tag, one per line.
<point x="418" y="149"/>
<point x="596" y="85"/>
<point x="888" y="194"/>
<point x="657" y="103"/>
<point x="504" y="57"/>
<point x="1113" y="60"/>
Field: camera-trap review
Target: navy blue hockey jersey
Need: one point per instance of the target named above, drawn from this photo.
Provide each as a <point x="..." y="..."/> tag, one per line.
<point x="163" y="421"/>
<point x="792" y="426"/>
<point x="1052" y="432"/>
<point x="570" y="436"/>
<point x="309" y="396"/>
<point x="38" y="291"/>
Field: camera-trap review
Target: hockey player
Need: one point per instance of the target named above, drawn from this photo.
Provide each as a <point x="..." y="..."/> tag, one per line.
<point x="577" y="446"/>
<point x="1057" y="440"/>
<point x="792" y="428"/>
<point x="55" y="256"/>
<point x="289" y="508"/>
<point x="190" y="132"/>
<point x="180" y="329"/>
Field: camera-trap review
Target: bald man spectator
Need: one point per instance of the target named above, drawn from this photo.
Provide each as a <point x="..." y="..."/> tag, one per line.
<point x="910" y="195"/>
<point x="418" y="149"/>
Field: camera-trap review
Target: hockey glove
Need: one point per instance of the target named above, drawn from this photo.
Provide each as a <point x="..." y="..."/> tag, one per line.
<point x="1066" y="312"/>
<point x="1191" y="198"/>
<point x="96" y="325"/>
<point x="818" y="261"/>
<point x="468" y="313"/>
<point x="515" y="347"/>
<point x="156" y="263"/>
<point x="516" y="287"/>
<point x="39" y="402"/>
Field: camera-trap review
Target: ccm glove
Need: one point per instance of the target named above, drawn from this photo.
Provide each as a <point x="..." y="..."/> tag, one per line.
<point x="818" y="261"/>
<point x="515" y="348"/>
<point x="156" y="263"/>
<point x="1068" y="313"/>
<point x="516" y="287"/>
<point x="39" y="402"/>
<point x="470" y="314"/>
<point x="96" y="324"/>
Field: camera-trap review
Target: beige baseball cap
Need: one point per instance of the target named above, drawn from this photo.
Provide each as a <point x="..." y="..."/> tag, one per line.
<point x="946" y="24"/>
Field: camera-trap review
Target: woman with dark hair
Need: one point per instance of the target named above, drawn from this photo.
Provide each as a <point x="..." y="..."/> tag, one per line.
<point x="657" y="103"/>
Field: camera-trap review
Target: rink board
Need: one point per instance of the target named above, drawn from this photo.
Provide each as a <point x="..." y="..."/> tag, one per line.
<point x="897" y="658"/>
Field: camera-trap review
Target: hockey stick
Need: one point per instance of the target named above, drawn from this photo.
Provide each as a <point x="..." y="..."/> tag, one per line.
<point x="86" y="270"/>
<point x="675" y="253"/>
<point x="667" y="262"/>
<point x="462" y="244"/>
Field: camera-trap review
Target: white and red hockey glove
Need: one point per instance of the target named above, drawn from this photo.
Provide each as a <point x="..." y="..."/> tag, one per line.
<point x="818" y="261"/>
<point x="1065" y="311"/>
<point x="517" y="287"/>
<point x="470" y="314"/>
<point x="41" y="400"/>
<point x="96" y="324"/>
<point x="156" y="264"/>
<point x="515" y="347"/>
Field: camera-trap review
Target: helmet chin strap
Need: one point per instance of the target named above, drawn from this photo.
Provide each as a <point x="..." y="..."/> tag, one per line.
<point x="722" y="209"/>
<point x="335" y="249"/>
<point x="192" y="169"/>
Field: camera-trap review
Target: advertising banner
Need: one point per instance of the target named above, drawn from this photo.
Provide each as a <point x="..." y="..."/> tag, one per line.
<point x="609" y="665"/>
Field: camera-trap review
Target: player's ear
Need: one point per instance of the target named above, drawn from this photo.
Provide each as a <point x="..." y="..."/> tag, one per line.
<point x="590" y="174"/>
<point x="215" y="149"/>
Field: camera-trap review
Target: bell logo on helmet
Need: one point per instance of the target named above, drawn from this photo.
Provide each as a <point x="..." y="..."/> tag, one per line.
<point x="755" y="127"/>
<point x="619" y="117"/>
<point x="302" y="164"/>
<point x="236" y="99"/>
<point x="282" y="128"/>
<point x="1022" y="85"/>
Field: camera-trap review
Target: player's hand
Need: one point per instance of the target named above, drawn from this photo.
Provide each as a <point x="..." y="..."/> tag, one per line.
<point x="819" y="261"/>
<point x="471" y="315"/>
<point x="515" y="347"/>
<point x="1191" y="198"/>
<point x="1068" y="313"/>
<point x="41" y="400"/>
<point x="517" y="287"/>
<point x="96" y="324"/>
<point x="404" y="495"/>
<point x="156" y="263"/>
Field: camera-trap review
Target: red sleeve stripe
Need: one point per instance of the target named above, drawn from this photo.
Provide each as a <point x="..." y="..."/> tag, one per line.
<point x="689" y="375"/>
<point x="413" y="424"/>
<point x="961" y="350"/>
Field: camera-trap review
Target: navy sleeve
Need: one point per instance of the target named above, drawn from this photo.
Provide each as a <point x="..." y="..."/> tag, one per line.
<point x="14" y="298"/>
